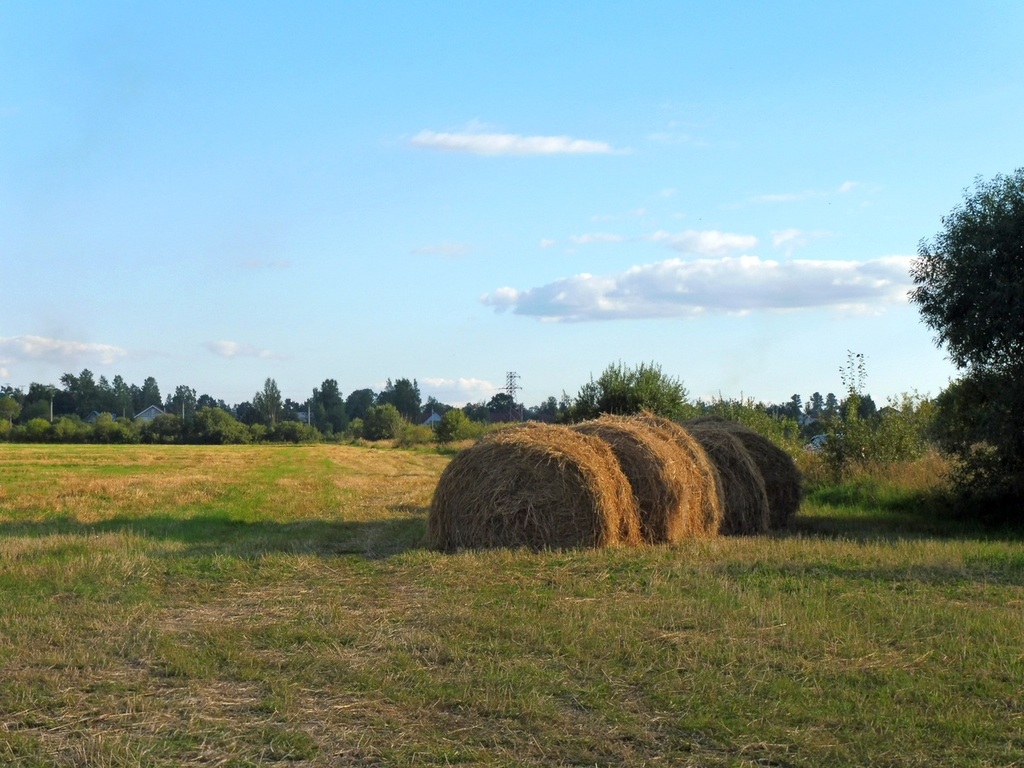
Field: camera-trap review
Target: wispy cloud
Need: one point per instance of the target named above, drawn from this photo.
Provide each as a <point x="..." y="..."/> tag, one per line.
<point x="693" y="242"/>
<point x="596" y="237"/>
<point x="458" y="390"/>
<point x="678" y="288"/>
<point x="791" y="239"/>
<point x="444" y="250"/>
<point x="235" y="349"/>
<point x="494" y="144"/>
<point x="15" y="349"/>
<point x="807" y="194"/>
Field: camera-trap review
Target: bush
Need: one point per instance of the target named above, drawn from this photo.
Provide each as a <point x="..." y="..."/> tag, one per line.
<point x="356" y="428"/>
<point x="107" y="429"/>
<point x="410" y="435"/>
<point x="215" y="426"/>
<point x="781" y="430"/>
<point x="165" y="428"/>
<point x="382" y="422"/>
<point x="625" y="391"/>
<point x="454" y="425"/>
<point x="295" y="432"/>
<point x="34" y="431"/>
<point x="897" y="433"/>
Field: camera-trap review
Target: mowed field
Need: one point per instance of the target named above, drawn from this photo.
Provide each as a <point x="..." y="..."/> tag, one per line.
<point x="267" y="605"/>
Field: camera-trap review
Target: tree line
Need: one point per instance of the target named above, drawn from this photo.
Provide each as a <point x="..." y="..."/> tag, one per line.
<point x="85" y="408"/>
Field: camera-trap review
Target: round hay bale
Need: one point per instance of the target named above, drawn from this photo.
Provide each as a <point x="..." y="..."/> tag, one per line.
<point x="659" y="472"/>
<point x="745" y="502"/>
<point x="782" y="481"/>
<point x="541" y="486"/>
<point x="705" y="490"/>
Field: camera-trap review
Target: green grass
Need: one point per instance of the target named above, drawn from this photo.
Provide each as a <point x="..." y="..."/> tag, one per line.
<point x="274" y="606"/>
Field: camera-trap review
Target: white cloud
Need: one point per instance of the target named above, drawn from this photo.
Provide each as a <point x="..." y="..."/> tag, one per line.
<point x="445" y="250"/>
<point x="21" y="348"/>
<point x="596" y="237"/>
<point x="791" y="239"/>
<point x="807" y="194"/>
<point x="678" y="288"/>
<point x="234" y="349"/>
<point x="509" y="144"/>
<point x="548" y="243"/>
<point x="786" y="237"/>
<point x="709" y="242"/>
<point x="458" y="391"/>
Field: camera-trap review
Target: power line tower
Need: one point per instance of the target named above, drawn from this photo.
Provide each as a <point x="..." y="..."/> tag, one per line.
<point x="510" y="388"/>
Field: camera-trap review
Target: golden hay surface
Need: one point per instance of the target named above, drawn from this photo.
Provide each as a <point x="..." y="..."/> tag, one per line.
<point x="541" y="486"/>
<point x="659" y="472"/>
<point x="706" y="495"/>
<point x="783" y="483"/>
<point x="745" y="502"/>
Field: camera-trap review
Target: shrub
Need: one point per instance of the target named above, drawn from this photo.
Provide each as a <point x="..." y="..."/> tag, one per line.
<point x="215" y="426"/>
<point x="454" y="425"/>
<point x="165" y="428"/>
<point x="35" y="431"/>
<point x="295" y="432"/>
<point x="410" y="435"/>
<point x="382" y="422"/>
<point x="107" y="429"/>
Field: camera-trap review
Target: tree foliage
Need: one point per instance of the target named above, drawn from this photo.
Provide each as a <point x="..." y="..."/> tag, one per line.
<point x="268" y="403"/>
<point x="970" y="290"/>
<point x="970" y="277"/>
<point x="623" y="390"/>
<point x="405" y="396"/>
<point x="382" y="422"/>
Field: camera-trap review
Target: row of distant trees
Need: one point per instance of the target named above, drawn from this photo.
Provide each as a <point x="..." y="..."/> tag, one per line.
<point x="87" y="409"/>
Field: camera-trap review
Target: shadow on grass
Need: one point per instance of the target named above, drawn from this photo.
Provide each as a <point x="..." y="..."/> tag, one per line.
<point x="207" y="534"/>
<point x="873" y="511"/>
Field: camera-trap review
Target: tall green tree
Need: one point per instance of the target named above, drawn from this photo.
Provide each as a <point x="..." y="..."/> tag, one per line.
<point x="969" y="282"/>
<point x="269" y="403"/>
<point x="182" y="403"/>
<point x="10" y="409"/>
<point x="329" y="411"/>
<point x="358" y="403"/>
<point x="121" y="398"/>
<point x="148" y="395"/>
<point x="404" y="395"/>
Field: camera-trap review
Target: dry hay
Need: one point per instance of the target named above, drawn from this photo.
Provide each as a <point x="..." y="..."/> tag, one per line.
<point x="744" y="500"/>
<point x="536" y="485"/>
<point x="705" y="489"/>
<point x="782" y="481"/>
<point x="659" y="472"/>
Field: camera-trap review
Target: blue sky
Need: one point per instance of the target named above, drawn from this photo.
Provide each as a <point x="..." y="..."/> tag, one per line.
<point x="217" y="193"/>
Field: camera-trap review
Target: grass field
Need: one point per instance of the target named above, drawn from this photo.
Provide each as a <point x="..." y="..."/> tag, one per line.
<point x="262" y="605"/>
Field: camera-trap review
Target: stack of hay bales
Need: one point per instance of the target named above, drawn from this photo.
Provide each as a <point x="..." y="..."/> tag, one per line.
<point x="611" y="481"/>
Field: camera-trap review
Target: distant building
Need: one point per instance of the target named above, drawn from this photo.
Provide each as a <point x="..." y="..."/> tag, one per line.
<point x="150" y="413"/>
<point x="432" y="420"/>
